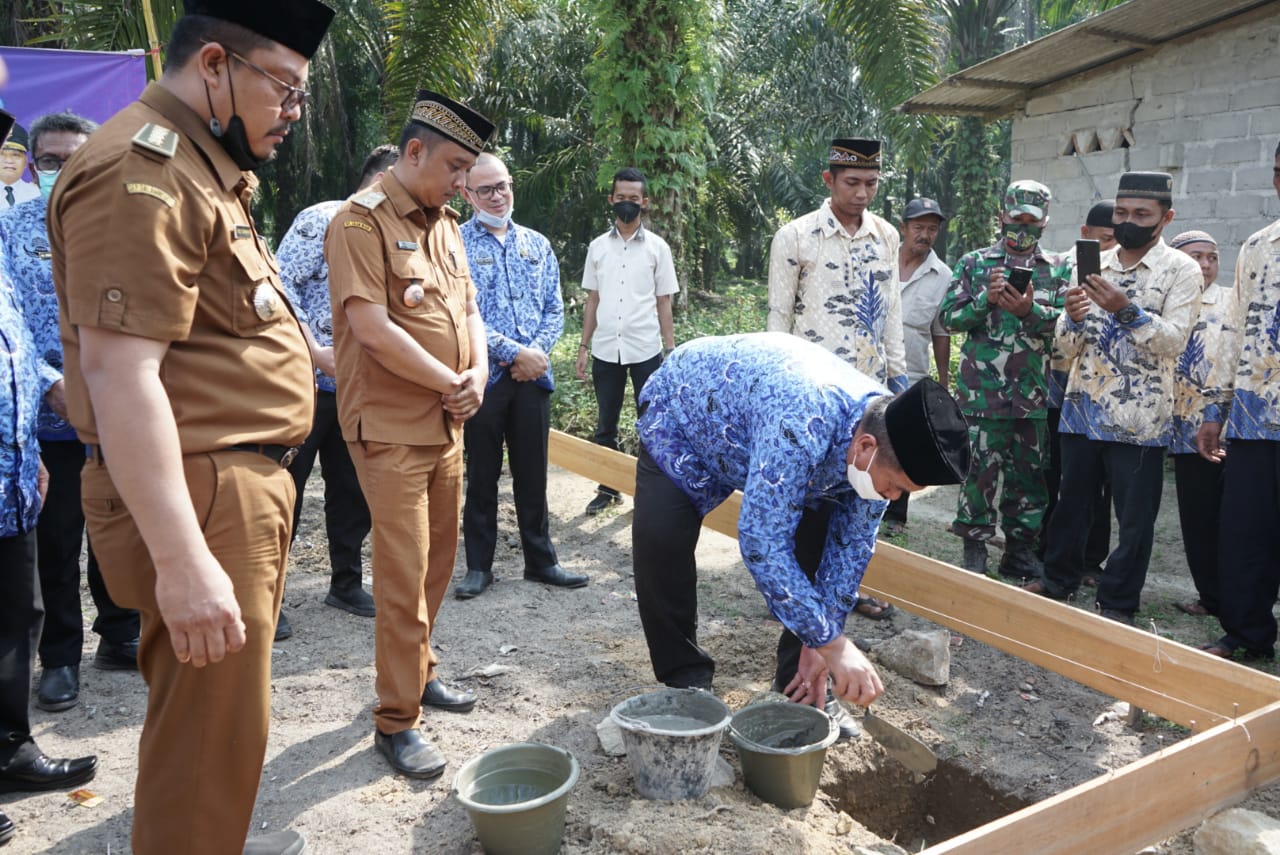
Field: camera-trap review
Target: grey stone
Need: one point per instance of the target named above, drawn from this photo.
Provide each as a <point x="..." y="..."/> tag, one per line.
<point x="723" y="775"/>
<point x="1238" y="832"/>
<point x="924" y="657"/>
<point x="610" y="736"/>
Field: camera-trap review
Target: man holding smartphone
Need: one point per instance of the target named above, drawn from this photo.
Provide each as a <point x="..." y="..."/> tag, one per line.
<point x="1123" y="331"/>
<point x="1006" y="299"/>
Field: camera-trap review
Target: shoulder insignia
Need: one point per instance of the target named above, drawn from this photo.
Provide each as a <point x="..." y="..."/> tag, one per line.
<point x="357" y="224"/>
<point x="451" y="212"/>
<point x="370" y="199"/>
<point x="138" y="188"/>
<point x="158" y="139"/>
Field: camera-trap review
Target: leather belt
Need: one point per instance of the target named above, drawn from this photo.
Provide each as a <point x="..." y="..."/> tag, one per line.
<point x="281" y="454"/>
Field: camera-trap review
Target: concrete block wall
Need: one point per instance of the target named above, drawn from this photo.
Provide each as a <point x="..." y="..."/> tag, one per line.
<point x="1206" y="110"/>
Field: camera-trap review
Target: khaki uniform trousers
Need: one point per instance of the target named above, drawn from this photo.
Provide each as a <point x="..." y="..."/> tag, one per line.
<point x="415" y="495"/>
<point x="205" y="735"/>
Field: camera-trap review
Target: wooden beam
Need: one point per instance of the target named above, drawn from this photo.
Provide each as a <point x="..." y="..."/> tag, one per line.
<point x="1144" y="802"/>
<point x="1169" y="679"/>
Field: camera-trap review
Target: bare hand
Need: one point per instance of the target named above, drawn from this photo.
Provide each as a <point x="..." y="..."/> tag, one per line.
<point x="1019" y="304"/>
<point x="809" y="685"/>
<point x="529" y="364"/>
<point x="1077" y="304"/>
<point x="56" y="398"/>
<point x="42" y="481"/>
<point x="1105" y="293"/>
<point x="325" y="361"/>
<point x="198" y="606"/>
<point x="853" y="677"/>
<point x="1208" y="440"/>
<point x="467" y="395"/>
<point x="995" y="287"/>
<point x="580" y="367"/>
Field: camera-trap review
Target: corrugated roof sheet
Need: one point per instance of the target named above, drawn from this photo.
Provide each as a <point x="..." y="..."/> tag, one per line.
<point x="1000" y="85"/>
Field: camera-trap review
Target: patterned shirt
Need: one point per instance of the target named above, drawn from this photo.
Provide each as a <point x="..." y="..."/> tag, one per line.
<point x="1246" y="375"/>
<point x="1195" y="366"/>
<point x="921" y="296"/>
<point x="518" y="291"/>
<point x="630" y="275"/>
<point x="1120" y="382"/>
<point x="1004" y="359"/>
<point x="773" y="416"/>
<point x="305" y="276"/>
<point x="22" y="385"/>
<point x="841" y="291"/>
<point x="28" y="264"/>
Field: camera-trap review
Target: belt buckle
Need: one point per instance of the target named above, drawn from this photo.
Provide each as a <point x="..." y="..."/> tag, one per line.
<point x="288" y="456"/>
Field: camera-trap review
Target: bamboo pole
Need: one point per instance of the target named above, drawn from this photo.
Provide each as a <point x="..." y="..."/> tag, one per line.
<point x="153" y="39"/>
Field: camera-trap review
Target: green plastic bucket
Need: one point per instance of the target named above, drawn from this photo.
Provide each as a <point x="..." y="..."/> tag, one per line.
<point x="516" y="796"/>
<point x="672" y="738"/>
<point x="782" y="747"/>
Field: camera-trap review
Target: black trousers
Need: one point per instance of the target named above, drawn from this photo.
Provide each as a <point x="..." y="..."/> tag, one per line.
<point x="1249" y="549"/>
<point x="610" y="382"/>
<point x="664" y="534"/>
<point x="21" y="617"/>
<point x="519" y="415"/>
<point x="346" y="516"/>
<point x="1098" y="544"/>
<point x="1199" y="485"/>
<point x="59" y="533"/>
<point x="1136" y="474"/>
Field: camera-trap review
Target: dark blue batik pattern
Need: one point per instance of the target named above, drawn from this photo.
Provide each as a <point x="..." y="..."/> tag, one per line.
<point x="305" y="275"/>
<point x="22" y="387"/>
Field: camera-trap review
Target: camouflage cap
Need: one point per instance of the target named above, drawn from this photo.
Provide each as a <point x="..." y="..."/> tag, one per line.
<point x="1027" y="197"/>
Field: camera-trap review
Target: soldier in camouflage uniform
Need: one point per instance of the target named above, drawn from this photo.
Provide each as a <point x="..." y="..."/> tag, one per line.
<point x="1003" y="384"/>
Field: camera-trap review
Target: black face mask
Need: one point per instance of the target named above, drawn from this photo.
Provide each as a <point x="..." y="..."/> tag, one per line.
<point x="233" y="138"/>
<point x="1134" y="236"/>
<point x="626" y="212"/>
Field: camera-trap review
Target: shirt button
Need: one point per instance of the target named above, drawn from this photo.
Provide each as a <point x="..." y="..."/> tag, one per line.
<point x="114" y="295"/>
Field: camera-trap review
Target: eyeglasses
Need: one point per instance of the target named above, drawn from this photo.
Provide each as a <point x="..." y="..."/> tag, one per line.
<point x="294" y="97"/>
<point x="488" y="191"/>
<point x="49" y="163"/>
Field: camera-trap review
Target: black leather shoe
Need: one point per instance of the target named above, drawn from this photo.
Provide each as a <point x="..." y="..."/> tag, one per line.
<point x="410" y="754"/>
<point x="283" y="628"/>
<point x="59" y="688"/>
<point x="849" y="727"/>
<point x="117" y="657"/>
<point x="280" y="843"/>
<point x="473" y="585"/>
<point x="356" y="600"/>
<point x="440" y="696"/>
<point x="7" y="829"/>
<point x="42" y="772"/>
<point x="601" y="502"/>
<point x="555" y="575"/>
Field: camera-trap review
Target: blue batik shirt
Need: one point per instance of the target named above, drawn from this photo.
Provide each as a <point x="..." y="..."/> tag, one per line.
<point x="772" y="415"/>
<point x="518" y="292"/>
<point x="28" y="264"/>
<point x="23" y="382"/>
<point x="305" y="276"/>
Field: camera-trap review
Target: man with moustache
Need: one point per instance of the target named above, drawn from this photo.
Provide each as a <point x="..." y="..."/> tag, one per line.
<point x="517" y="283"/>
<point x="14" y="189"/>
<point x="189" y="380"/>
<point x="412" y="366"/>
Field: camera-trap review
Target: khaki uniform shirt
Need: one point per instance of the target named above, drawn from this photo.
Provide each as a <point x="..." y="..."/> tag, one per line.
<point x="379" y="246"/>
<point x="151" y="235"/>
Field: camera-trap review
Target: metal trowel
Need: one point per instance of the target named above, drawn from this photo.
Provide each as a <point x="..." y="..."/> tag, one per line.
<point x="902" y="746"/>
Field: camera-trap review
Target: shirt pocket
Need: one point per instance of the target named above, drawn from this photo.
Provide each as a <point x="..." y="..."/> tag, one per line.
<point x="256" y="301"/>
<point x="407" y="270"/>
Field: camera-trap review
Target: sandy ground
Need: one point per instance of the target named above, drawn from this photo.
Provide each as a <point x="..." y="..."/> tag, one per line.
<point x="569" y="656"/>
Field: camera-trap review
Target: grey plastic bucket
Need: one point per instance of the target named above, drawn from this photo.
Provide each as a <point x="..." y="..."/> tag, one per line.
<point x="782" y="747"/>
<point x="672" y="738"/>
<point x="516" y="796"/>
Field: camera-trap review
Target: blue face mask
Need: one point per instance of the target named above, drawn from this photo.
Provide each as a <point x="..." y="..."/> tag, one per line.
<point x="45" y="181"/>
<point x="492" y="221"/>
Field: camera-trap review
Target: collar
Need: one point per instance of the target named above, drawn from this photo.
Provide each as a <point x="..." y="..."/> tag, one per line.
<point x="831" y="226"/>
<point x="1151" y="259"/>
<point x="406" y="207"/>
<point x="931" y="264"/>
<point x="638" y="234"/>
<point x="190" y="125"/>
<point x="476" y="226"/>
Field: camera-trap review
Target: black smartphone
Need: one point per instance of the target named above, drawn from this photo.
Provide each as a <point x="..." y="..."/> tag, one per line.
<point x="1019" y="279"/>
<point x="1088" y="260"/>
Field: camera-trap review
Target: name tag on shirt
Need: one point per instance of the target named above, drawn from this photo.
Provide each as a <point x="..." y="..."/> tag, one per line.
<point x="406" y="244"/>
<point x="241" y="233"/>
<point x="484" y="259"/>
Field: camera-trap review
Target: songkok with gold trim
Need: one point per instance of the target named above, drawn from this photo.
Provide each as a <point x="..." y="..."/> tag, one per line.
<point x="299" y="25"/>
<point x="1146" y="185"/>
<point x="17" y="139"/>
<point x="452" y="119"/>
<point x="855" y="153"/>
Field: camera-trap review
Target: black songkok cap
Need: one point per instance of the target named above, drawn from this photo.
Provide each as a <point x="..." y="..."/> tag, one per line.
<point x="929" y="435"/>
<point x="299" y="25"/>
<point x="858" y="153"/>
<point x="6" y="124"/>
<point x="17" y="138"/>
<point x="1146" y="185"/>
<point x="453" y="119"/>
<point x="1100" y="214"/>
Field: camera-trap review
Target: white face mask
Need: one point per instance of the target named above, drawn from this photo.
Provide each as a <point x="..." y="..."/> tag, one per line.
<point x="862" y="483"/>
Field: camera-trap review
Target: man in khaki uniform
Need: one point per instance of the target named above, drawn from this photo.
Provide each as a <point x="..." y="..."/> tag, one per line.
<point x="189" y="379"/>
<point x="412" y="364"/>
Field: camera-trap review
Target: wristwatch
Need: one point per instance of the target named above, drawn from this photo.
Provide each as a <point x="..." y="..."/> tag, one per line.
<point x="1127" y="315"/>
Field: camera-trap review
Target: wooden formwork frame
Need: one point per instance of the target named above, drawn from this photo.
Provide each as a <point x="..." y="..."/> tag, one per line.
<point x="1233" y="710"/>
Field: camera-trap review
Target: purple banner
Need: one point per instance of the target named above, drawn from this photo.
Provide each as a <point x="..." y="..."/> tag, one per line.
<point x="94" y="85"/>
